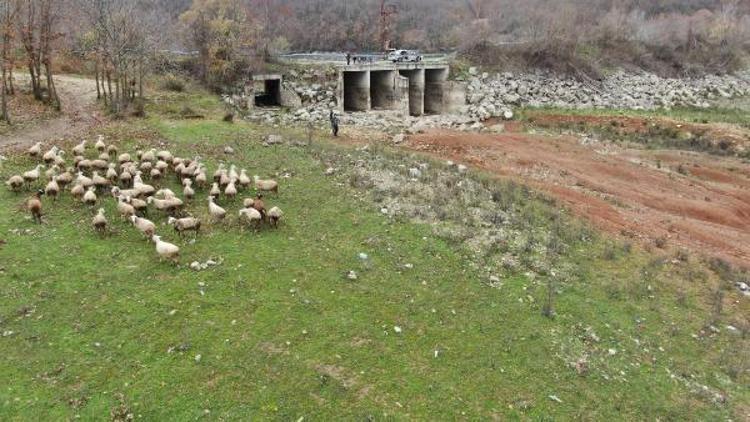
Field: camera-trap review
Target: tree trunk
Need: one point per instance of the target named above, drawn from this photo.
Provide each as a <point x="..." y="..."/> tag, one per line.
<point x="109" y="86"/>
<point x="3" y="100"/>
<point x="96" y="76"/>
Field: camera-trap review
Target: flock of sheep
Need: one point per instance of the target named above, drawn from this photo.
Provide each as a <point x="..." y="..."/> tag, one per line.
<point x="123" y="178"/>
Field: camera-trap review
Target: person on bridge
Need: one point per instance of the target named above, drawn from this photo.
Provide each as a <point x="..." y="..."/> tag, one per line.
<point x="348" y="58"/>
<point x="334" y="123"/>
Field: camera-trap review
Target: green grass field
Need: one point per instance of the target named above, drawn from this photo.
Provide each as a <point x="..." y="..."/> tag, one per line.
<point x="98" y="328"/>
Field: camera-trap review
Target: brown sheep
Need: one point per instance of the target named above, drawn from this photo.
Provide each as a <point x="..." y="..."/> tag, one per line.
<point x="34" y="205"/>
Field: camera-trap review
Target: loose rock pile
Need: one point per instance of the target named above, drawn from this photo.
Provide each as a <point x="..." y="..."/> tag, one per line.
<point x="495" y="96"/>
<point x="491" y="96"/>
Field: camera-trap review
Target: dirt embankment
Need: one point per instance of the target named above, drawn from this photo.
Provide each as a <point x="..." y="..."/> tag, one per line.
<point x="79" y="113"/>
<point x="667" y="198"/>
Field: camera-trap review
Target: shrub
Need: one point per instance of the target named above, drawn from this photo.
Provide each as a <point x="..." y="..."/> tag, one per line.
<point x="174" y="84"/>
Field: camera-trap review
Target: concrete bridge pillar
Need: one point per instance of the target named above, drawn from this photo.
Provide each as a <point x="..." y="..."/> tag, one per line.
<point x="356" y="90"/>
<point x="416" y="90"/>
<point x="434" y="90"/>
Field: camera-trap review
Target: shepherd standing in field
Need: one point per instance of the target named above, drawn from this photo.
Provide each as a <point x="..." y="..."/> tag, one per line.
<point x="334" y="118"/>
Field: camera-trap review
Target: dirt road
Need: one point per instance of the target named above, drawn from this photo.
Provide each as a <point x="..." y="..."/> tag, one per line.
<point x="79" y="113"/>
<point x="665" y="198"/>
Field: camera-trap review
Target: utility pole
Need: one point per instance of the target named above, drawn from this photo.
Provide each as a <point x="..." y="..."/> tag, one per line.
<point x="386" y="12"/>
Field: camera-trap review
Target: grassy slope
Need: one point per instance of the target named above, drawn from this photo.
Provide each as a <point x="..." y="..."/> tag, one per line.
<point x="731" y="113"/>
<point x="91" y="318"/>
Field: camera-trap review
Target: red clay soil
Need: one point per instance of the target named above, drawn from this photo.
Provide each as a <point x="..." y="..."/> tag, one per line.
<point x="734" y="136"/>
<point x="687" y="199"/>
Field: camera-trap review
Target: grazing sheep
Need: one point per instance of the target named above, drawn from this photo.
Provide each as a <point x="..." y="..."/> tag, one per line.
<point x="170" y="205"/>
<point x="274" y="216"/>
<point x="259" y="205"/>
<point x="146" y="166"/>
<point x="99" y="145"/>
<point x="35" y="150"/>
<point x="164" y="156"/>
<point x="188" y="191"/>
<point x="224" y="180"/>
<point x="15" y="183"/>
<point x="162" y="166"/>
<point x="80" y="149"/>
<point x="89" y="198"/>
<point x="65" y="178"/>
<point x="126" y="178"/>
<point x="52" y="189"/>
<point x="166" y="250"/>
<point x="142" y="188"/>
<point x="111" y="150"/>
<point x="77" y="191"/>
<point x="111" y="173"/>
<point x="99" y="181"/>
<point x="52" y="171"/>
<point x="248" y="216"/>
<point x="149" y="156"/>
<point x="215" y="191"/>
<point x="49" y="156"/>
<point x="181" y="225"/>
<point x="124" y="158"/>
<point x="126" y="210"/>
<point x="100" y="164"/>
<point x="83" y="164"/>
<point x="99" y="221"/>
<point x="84" y="181"/>
<point x="59" y="160"/>
<point x="230" y="191"/>
<point x="144" y="226"/>
<point x="217" y="174"/>
<point x="233" y="176"/>
<point x="244" y="180"/>
<point x="201" y="178"/>
<point x="140" y="205"/>
<point x="248" y="202"/>
<point x="32" y="175"/>
<point x="103" y="156"/>
<point x="155" y="174"/>
<point x="266" y="185"/>
<point x="34" y="206"/>
<point x="217" y="213"/>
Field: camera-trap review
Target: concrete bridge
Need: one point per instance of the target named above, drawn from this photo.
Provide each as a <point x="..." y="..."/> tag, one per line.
<point x="414" y="88"/>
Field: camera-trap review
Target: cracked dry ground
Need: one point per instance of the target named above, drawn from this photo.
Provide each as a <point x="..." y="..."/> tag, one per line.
<point x="678" y="198"/>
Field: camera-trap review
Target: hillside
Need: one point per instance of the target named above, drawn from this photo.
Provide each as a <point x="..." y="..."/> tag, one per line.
<point x="384" y="293"/>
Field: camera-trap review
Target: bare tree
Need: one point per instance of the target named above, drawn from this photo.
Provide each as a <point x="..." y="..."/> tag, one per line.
<point x="36" y="26"/>
<point x="7" y="36"/>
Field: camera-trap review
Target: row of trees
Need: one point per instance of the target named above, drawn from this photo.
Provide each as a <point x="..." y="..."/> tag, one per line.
<point x="29" y="26"/>
<point x="117" y="41"/>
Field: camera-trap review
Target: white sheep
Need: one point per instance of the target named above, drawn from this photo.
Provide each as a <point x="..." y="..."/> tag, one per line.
<point x="231" y="190"/>
<point x="217" y="213"/>
<point x="249" y="216"/>
<point x="35" y="150"/>
<point x="143" y="225"/>
<point x="244" y="180"/>
<point x="274" y="216"/>
<point x="52" y="189"/>
<point x="99" y="145"/>
<point x="89" y="198"/>
<point x="166" y="250"/>
<point x="182" y="225"/>
<point x="125" y="209"/>
<point x="99" y="221"/>
<point x="49" y="156"/>
<point x="188" y="191"/>
<point x="15" y="183"/>
<point x="32" y="175"/>
<point x="80" y="149"/>
<point x="267" y="185"/>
